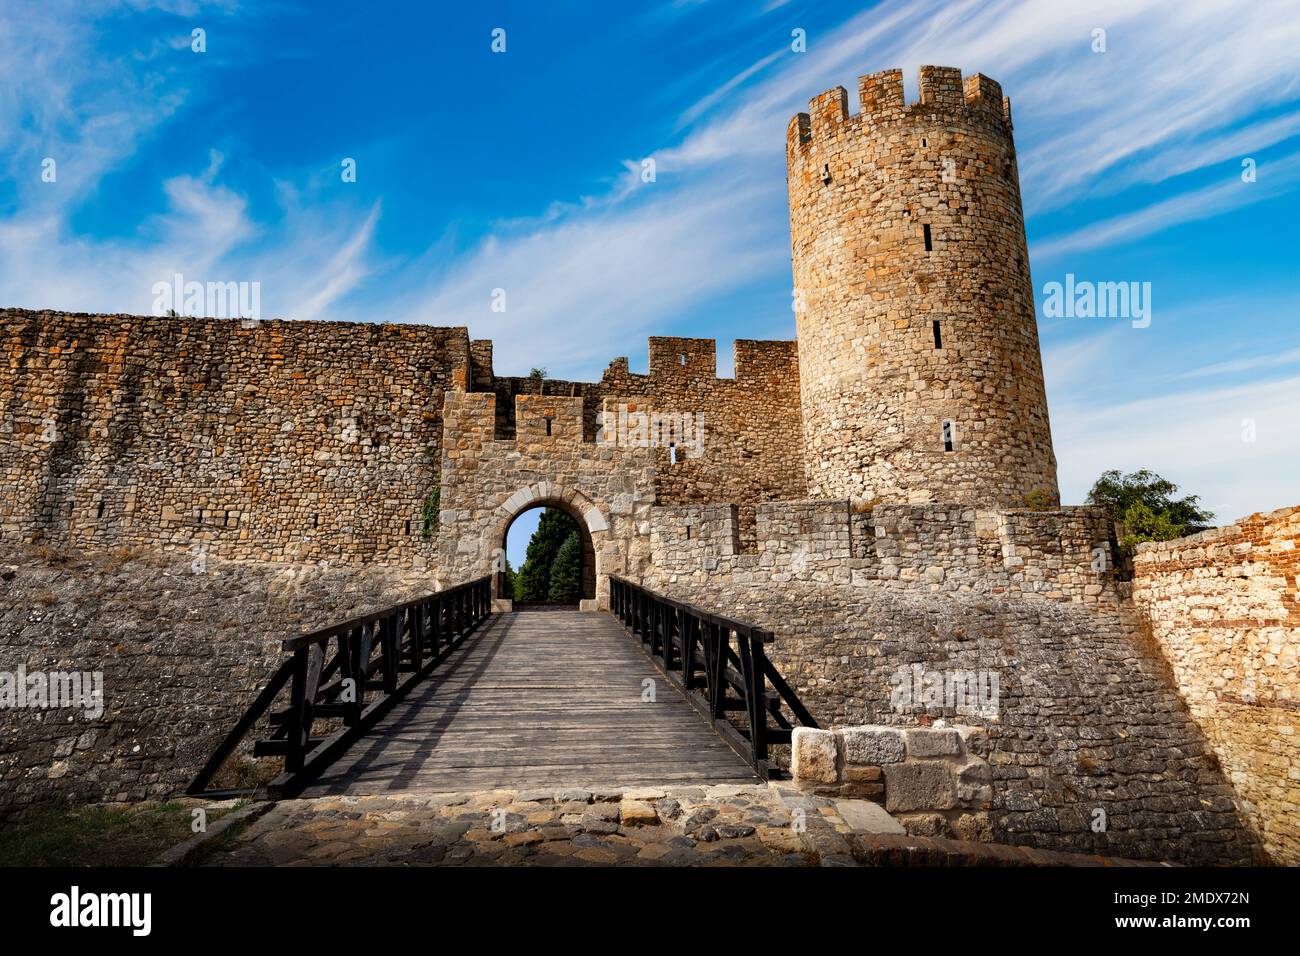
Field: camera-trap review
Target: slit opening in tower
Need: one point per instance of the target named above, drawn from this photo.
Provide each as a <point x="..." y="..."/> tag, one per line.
<point x="948" y="433"/>
<point x="938" y="335"/>
<point x="929" y="243"/>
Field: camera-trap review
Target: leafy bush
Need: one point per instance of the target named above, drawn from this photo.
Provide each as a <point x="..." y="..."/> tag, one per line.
<point x="1143" y="505"/>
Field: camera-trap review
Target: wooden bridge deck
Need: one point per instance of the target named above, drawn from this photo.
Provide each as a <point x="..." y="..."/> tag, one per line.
<point x="537" y="699"/>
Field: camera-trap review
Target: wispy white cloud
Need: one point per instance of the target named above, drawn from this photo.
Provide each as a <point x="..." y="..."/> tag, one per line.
<point x="1250" y="363"/>
<point x="1194" y="438"/>
<point x="1204" y="203"/>
<point x="578" y="286"/>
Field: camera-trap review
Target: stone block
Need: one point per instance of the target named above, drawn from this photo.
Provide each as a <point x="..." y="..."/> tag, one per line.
<point x="814" y="756"/>
<point x="974" y="781"/>
<point x="866" y="816"/>
<point x="933" y="742"/>
<point x="873" y="746"/>
<point x="919" y="785"/>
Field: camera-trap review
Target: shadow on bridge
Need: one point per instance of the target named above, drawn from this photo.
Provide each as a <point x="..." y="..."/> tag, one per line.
<point x="556" y="699"/>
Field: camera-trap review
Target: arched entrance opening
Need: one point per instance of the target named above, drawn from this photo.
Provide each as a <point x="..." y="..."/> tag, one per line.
<point x="550" y="558"/>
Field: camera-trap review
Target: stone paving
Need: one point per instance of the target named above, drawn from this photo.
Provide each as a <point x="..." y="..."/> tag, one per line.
<point x="731" y="825"/>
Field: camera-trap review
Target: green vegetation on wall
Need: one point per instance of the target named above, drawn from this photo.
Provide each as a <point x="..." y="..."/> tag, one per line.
<point x="430" y="512"/>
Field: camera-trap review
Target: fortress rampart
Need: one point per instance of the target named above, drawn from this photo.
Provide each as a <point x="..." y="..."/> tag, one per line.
<point x="1062" y="555"/>
<point x="1224" y="608"/>
<point x="284" y="441"/>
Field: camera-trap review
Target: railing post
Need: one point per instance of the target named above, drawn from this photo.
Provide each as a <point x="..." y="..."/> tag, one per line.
<point x="690" y="628"/>
<point x="717" y="667"/>
<point x="416" y="628"/>
<point x="392" y="639"/>
<point x="437" y="626"/>
<point x="758" y="697"/>
<point x="365" y="642"/>
<point x="297" y="734"/>
<point x="346" y="670"/>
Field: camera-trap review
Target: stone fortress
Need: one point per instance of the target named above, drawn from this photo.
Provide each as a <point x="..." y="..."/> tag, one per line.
<point x="881" y="493"/>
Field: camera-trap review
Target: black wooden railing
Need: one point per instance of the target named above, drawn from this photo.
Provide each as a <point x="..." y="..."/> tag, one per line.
<point x="720" y="665"/>
<point x="370" y="654"/>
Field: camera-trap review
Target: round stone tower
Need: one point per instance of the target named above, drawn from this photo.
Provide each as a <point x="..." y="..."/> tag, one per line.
<point x="920" y="373"/>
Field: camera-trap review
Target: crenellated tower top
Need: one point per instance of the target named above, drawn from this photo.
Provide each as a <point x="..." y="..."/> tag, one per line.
<point x="881" y="102"/>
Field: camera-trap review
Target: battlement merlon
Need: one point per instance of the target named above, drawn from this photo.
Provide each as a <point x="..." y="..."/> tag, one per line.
<point x="548" y="419"/>
<point x="676" y="358"/>
<point x="881" y="101"/>
<point x="469" y="420"/>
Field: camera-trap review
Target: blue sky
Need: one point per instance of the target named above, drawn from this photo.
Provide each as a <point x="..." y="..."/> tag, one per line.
<point x="520" y="171"/>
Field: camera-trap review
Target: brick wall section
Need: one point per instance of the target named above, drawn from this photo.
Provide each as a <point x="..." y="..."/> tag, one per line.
<point x="875" y="388"/>
<point x="282" y="441"/>
<point x="1224" y="607"/>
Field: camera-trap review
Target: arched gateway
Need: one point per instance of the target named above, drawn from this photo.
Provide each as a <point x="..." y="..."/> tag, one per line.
<point x="587" y="518"/>
<point x="488" y="482"/>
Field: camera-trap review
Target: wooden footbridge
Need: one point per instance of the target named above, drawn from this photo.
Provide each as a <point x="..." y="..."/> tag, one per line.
<point x="441" y="694"/>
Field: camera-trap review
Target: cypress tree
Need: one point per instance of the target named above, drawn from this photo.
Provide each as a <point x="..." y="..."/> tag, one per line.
<point x="533" y="582"/>
<point x="566" y="572"/>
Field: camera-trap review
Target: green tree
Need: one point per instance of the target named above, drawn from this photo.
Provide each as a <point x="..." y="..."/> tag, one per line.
<point x="510" y="576"/>
<point x="1143" y="504"/>
<point x="533" y="582"/>
<point x="566" y="571"/>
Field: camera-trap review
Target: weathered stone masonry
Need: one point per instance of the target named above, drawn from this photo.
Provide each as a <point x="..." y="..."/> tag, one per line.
<point x="914" y="301"/>
<point x="1224" y="607"/>
<point x="286" y="441"/>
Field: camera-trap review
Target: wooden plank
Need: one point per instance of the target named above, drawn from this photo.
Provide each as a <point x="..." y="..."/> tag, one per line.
<point x="537" y="698"/>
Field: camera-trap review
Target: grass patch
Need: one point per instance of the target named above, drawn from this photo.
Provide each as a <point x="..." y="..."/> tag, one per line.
<point x="94" y="835"/>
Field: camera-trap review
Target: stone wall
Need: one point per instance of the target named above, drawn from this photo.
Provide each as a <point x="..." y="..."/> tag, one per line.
<point x="750" y="425"/>
<point x="281" y="441"/>
<point x="1058" y="555"/>
<point x="914" y="303"/>
<point x="1224" y="607"/>
<point x="930" y="778"/>
<point x="1089" y="745"/>
<point x="292" y="441"/>
<point x="183" y="652"/>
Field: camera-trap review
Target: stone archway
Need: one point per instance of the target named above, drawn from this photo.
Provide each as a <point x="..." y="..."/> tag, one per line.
<point x="592" y="524"/>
